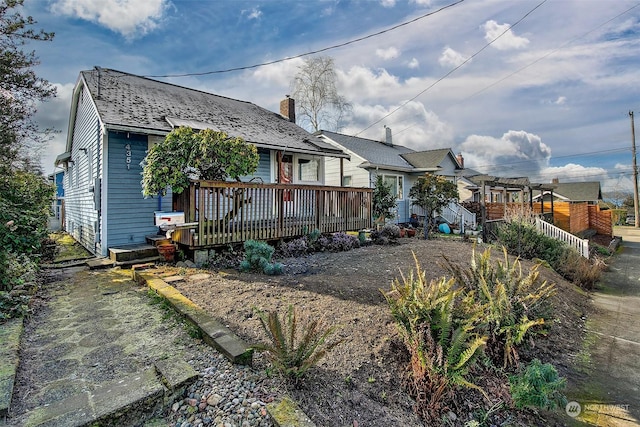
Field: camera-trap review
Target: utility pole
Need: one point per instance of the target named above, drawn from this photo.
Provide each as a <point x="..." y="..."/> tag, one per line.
<point x="635" y="172"/>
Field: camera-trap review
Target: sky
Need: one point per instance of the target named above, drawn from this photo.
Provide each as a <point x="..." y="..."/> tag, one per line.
<point x="520" y="88"/>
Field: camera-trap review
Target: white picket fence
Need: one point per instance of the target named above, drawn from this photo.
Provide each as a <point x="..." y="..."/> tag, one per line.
<point x="581" y="245"/>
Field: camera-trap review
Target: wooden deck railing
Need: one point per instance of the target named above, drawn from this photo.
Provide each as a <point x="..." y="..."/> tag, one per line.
<point x="219" y="213"/>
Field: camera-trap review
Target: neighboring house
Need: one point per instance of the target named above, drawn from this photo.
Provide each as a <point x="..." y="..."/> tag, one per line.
<point x="57" y="206"/>
<point x="116" y="117"/>
<point x="399" y="166"/>
<point x="589" y="192"/>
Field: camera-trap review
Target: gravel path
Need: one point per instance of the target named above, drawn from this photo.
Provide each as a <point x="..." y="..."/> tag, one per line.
<point x="225" y="395"/>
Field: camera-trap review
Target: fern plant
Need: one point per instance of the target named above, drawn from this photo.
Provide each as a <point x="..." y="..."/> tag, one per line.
<point x="514" y="303"/>
<point x="439" y="326"/>
<point x="538" y="386"/>
<point x="292" y="351"/>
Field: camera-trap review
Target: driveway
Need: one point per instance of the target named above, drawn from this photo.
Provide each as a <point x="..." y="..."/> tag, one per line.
<point x="609" y="391"/>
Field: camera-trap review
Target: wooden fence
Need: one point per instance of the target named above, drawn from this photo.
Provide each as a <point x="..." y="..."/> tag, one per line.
<point x="219" y="213"/>
<point x="572" y="217"/>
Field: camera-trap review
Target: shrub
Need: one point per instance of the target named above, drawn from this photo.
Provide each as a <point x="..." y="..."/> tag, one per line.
<point x="513" y="303"/>
<point x="258" y="257"/>
<point x="20" y="275"/>
<point x="389" y="234"/>
<point x="538" y="386"/>
<point x="384" y="201"/>
<point x="576" y="268"/>
<point x="439" y="327"/>
<point x="291" y="351"/>
<point x="521" y="238"/>
<point x="296" y="247"/>
<point x="340" y="242"/>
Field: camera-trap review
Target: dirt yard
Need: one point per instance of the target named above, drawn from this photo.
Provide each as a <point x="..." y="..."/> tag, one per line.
<point x="360" y="382"/>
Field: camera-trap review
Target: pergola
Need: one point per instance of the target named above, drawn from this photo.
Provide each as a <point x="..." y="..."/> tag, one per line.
<point x="520" y="185"/>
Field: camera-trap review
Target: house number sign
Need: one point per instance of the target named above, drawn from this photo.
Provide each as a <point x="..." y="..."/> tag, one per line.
<point x="128" y="155"/>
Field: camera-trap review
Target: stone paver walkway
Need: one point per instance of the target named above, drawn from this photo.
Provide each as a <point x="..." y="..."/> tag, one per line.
<point x="92" y="331"/>
<point x="609" y="395"/>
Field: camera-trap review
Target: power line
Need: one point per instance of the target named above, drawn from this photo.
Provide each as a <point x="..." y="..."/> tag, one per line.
<point x="508" y="76"/>
<point x="589" y="153"/>
<point x="336" y="46"/>
<point x="548" y="54"/>
<point x="455" y="68"/>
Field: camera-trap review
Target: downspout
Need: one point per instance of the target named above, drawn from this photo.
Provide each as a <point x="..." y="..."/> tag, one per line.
<point x="98" y="183"/>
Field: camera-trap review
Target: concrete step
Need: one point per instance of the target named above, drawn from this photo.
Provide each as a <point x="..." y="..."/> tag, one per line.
<point x="157" y="240"/>
<point x="122" y="402"/>
<point x="126" y="401"/>
<point x="132" y="252"/>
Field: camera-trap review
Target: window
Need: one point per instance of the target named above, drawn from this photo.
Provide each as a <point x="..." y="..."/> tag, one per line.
<point x="346" y="181"/>
<point x="308" y="170"/>
<point x="395" y="182"/>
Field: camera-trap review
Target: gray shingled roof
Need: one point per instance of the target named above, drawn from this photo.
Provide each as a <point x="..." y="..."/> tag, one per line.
<point x="430" y="159"/>
<point x="579" y="191"/>
<point x="375" y="152"/>
<point x="128" y="101"/>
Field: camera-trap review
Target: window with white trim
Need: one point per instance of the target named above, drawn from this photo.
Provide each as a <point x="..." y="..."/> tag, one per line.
<point x="308" y="169"/>
<point x="396" y="183"/>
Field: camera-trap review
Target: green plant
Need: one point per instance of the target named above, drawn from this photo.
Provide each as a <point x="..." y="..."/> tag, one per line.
<point x="439" y="326"/>
<point x="513" y="303"/>
<point x="384" y="201"/>
<point x="520" y="237"/>
<point x="538" y="386"/>
<point x="432" y="193"/>
<point x="292" y="351"/>
<point x="186" y="154"/>
<point x="258" y="256"/>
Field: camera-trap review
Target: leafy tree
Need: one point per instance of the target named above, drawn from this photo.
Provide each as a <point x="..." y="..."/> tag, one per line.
<point x="20" y="88"/>
<point x="25" y="196"/>
<point x="317" y="100"/>
<point x="186" y="154"/>
<point x="383" y="200"/>
<point x="432" y="193"/>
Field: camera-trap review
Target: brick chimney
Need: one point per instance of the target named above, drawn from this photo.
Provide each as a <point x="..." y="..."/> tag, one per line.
<point x="288" y="108"/>
<point x="387" y="136"/>
<point x="460" y="160"/>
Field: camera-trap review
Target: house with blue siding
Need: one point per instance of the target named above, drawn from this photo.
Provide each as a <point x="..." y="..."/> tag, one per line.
<point x="398" y="165"/>
<point x="116" y="117"/>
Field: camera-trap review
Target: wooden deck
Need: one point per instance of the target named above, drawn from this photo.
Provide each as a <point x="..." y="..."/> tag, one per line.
<point x="220" y="213"/>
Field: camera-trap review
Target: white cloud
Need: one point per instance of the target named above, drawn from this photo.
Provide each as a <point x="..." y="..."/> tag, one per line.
<point x="363" y="84"/>
<point x="561" y="100"/>
<point x="253" y="13"/>
<point x="450" y="58"/>
<point x="388" y="53"/>
<point x="421" y="2"/>
<point x="127" y="17"/>
<point x="507" y="41"/>
<point x="572" y="172"/>
<point x="388" y="3"/>
<point x="278" y="74"/>
<point x="412" y="126"/>
<point x="516" y="153"/>
<point x="414" y="63"/>
<point x="55" y="114"/>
